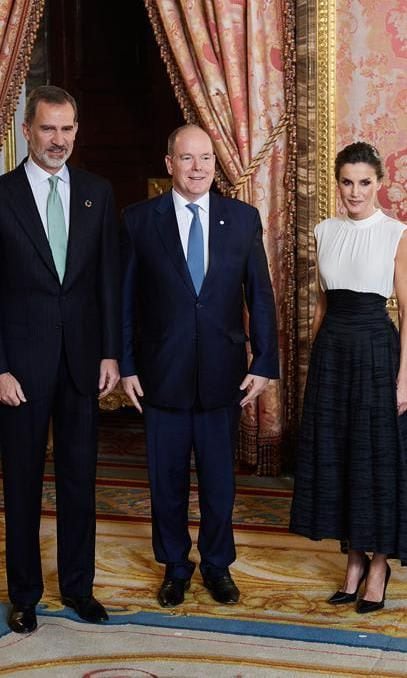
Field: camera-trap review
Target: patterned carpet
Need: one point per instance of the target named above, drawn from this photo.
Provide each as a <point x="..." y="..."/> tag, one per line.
<point x="281" y="627"/>
<point x="122" y="467"/>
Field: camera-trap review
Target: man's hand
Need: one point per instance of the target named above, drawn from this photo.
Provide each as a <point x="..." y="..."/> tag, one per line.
<point x="255" y="385"/>
<point x="132" y="388"/>
<point x="11" y="392"/>
<point x="108" y="376"/>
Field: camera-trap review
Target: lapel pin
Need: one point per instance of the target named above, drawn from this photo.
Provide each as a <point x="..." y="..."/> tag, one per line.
<point x="222" y="222"/>
<point x="88" y="203"/>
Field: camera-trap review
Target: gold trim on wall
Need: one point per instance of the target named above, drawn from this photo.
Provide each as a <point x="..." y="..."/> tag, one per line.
<point x="24" y="22"/>
<point x="157" y="186"/>
<point x="316" y="144"/>
<point x="9" y="148"/>
<point x="326" y="107"/>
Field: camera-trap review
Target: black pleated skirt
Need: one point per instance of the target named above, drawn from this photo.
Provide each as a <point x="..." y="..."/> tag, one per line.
<point x="351" y="470"/>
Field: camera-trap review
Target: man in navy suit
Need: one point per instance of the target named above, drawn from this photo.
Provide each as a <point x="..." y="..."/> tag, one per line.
<point x="191" y="257"/>
<point x="59" y="344"/>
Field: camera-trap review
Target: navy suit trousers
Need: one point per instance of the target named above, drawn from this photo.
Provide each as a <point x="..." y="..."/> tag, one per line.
<point x="172" y="434"/>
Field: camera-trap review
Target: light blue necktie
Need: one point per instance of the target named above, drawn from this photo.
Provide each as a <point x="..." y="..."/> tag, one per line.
<point x="57" y="236"/>
<point x="195" y="251"/>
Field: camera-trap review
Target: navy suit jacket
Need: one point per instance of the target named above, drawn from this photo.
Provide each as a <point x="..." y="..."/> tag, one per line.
<point x="39" y="317"/>
<point x="187" y="348"/>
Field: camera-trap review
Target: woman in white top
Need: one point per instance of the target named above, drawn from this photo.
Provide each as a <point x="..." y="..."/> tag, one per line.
<point x="351" y="475"/>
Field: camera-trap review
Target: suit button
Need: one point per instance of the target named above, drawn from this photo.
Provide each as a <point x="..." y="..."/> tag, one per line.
<point x="198" y="305"/>
<point x="59" y="326"/>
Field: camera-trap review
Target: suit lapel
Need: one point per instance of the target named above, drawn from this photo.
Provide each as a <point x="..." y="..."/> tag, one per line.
<point x="76" y="225"/>
<point x="167" y="227"/>
<point x="219" y="225"/>
<point x="24" y="205"/>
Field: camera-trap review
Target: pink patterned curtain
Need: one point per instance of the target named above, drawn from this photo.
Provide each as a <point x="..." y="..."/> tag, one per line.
<point x="19" y="20"/>
<point x="232" y="66"/>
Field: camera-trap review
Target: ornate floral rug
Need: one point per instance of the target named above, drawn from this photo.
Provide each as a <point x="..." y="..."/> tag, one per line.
<point x="282" y="626"/>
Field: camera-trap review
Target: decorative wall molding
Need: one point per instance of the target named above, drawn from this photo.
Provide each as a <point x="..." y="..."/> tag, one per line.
<point x="9" y="152"/>
<point x="326" y="106"/>
<point x="19" y="22"/>
<point x="14" y="147"/>
<point x="316" y="132"/>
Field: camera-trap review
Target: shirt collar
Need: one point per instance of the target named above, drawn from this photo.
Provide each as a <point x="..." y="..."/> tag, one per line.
<point x="38" y="175"/>
<point x="180" y="202"/>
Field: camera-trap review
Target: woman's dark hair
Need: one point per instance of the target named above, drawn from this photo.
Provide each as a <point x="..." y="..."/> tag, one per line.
<point x="359" y="152"/>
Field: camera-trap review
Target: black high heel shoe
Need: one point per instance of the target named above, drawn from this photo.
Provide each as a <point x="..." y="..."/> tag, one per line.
<point x="364" y="606"/>
<point x="341" y="597"/>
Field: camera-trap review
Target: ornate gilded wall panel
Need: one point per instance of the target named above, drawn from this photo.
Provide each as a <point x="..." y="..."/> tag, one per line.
<point x="326" y="106"/>
<point x="316" y="68"/>
<point x="9" y="148"/>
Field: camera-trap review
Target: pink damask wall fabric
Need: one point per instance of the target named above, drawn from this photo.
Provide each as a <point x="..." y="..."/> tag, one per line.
<point x="372" y="88"/>
<point x="232" y="57"/>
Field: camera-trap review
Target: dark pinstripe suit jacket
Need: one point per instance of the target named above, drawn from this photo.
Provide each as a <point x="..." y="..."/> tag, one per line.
<point x="39" y="317"/>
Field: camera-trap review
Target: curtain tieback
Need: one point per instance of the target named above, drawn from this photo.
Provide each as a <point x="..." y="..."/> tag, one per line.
<point x="256" y="162"/>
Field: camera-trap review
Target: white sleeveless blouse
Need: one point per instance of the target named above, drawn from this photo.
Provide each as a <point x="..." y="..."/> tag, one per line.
<point x="358" y="255"/>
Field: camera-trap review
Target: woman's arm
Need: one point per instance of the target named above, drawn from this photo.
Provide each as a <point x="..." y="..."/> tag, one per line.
<point x="400" y="286"/>
<point x="319" y="311"/>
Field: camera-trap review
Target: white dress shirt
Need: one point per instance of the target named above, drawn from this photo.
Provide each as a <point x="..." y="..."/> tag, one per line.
<point x="38" y="179"/>
<point x="184" y="219"/>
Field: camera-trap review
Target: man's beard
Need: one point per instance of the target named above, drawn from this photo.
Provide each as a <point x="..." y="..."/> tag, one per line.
<point x="49" y="161"/>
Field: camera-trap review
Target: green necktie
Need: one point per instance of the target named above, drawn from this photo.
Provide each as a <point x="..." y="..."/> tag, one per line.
<point x="56" y="227"/>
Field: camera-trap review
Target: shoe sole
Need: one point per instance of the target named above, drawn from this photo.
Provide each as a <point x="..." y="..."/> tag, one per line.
<point x="20" y="630"/>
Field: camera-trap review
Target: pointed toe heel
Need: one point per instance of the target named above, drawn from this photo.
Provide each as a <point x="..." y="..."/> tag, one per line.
<point x="342" y="597"/>
<point x="365" y="606"/>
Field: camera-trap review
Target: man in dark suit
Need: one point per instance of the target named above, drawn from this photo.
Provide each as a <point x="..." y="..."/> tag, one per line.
<point x="190" y="259"/>
<point x="59" y="344"/>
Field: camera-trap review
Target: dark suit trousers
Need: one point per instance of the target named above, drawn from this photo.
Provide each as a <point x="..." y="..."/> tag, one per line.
<point x="171" y="435"/>
<point x="23" y="439"/>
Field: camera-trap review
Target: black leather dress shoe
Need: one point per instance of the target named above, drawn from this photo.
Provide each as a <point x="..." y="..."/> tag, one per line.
<point x="22" y="619"/>
<point x="88" y="608"/>
<point x="342" y="597"/>
<point x="223" y="589"/>
<point x="172" y="591"/>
